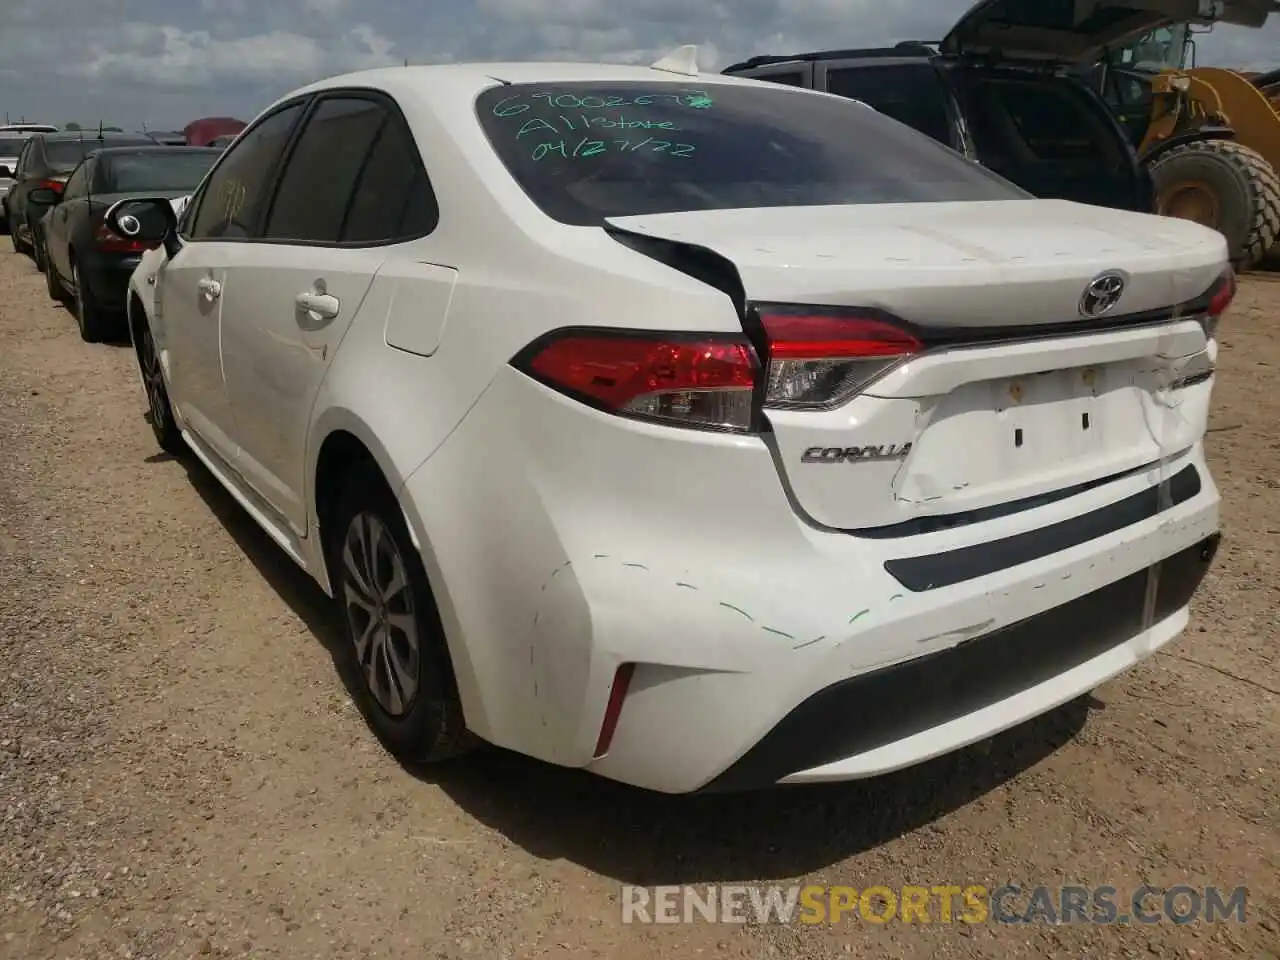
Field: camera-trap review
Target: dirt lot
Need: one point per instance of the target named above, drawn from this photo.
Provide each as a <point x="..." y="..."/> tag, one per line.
<point x="182" y="772"/>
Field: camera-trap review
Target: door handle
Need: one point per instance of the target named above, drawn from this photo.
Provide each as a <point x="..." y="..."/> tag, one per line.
<point x="211" y="289"/>
<point x="324" y="305"/>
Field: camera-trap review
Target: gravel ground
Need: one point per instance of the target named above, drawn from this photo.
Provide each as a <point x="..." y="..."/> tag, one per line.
<point x="183" y="774"/>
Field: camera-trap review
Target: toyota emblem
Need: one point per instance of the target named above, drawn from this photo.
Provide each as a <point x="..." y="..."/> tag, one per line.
<point x="1102" y="294"/>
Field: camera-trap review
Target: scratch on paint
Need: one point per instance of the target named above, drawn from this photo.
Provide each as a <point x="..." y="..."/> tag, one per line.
<point x="858" y="616"/>
<point x="896" y="596"/>
<point x="779" y="633"/>
<point x="810" y="643"/>
<point x="687" y="586"/>
<point x="566" y="564"/>
<point x="638" y="566"/>
<point x="600" y="556"/>
<point x="730" y="606"/>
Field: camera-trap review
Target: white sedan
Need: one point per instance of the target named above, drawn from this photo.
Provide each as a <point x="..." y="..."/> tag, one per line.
<point x="703" y="433"/>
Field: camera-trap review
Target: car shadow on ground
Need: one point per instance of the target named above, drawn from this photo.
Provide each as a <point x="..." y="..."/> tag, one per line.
<point x="638" y="837"/>
<point x="119" y="339"/>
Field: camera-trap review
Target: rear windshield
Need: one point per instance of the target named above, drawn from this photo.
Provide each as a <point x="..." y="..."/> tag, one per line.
<point x="156" y="169"/>
<point x="10" y="147"/>
<point x="65" y="155"/>
<point x="585" y="152"/>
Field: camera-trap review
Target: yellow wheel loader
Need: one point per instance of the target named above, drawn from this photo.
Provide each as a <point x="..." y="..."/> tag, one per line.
<point x="1210" y="137"/>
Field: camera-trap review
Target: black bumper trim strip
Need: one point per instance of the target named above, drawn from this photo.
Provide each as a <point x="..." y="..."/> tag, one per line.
<point x="937" y="570"/>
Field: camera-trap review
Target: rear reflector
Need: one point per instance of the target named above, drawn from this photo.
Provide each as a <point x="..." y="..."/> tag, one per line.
<point x="820" y="359"/>
<point x="617" y="695"/>
<point x="702" y="382"/>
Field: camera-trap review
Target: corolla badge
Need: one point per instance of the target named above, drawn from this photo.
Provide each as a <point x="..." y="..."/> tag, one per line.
<point x="1102" y="294"/>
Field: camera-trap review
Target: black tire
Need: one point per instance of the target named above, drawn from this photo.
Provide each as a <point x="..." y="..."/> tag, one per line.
<point x="429" y="727"/>
<point x="159" y="411"/>
<point x="95" y="324"/>
<point x="18" y="245"/>
<point x="57" y="292"/>
<point x="37" y="245"/>
<point x="1246" y="189"/>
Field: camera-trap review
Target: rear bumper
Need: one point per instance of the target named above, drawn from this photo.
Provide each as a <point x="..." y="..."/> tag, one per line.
<point x="108" y="279"/>
<point x="679" y="554"/>
<point x="870" y="723"/>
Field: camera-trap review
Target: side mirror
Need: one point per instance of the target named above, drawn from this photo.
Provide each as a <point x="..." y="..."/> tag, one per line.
<point x="150" y="220"/>
<point x="5" y="172"/>
<point x="45" y="197"/>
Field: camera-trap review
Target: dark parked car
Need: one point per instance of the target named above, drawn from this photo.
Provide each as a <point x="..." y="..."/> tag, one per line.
<point x="85" y="262"/>
<point x="45" y="162"/>
<point x="1020" y="114"/>
<point x="11" y="144"/>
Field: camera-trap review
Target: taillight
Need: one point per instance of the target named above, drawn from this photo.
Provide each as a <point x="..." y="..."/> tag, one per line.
<point x="107" y="241"/>
<point x="57" y="186"/>
<point x="703" y="381"/>
<point x="818" y="359"/>
<point x="1224" y="292"/>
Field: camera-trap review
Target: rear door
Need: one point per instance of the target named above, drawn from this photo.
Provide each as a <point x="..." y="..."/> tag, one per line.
<point x="352" y="188"/>
<point x="1078" y="32"/>
<point x="1049" y="135"/>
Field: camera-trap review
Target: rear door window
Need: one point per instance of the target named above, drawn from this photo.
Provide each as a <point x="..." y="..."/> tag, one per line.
<point x="1049" y="137"/>
<point x="910" y="93"/>
<point x="586" y="152"/>
<point x="321" y="172"/>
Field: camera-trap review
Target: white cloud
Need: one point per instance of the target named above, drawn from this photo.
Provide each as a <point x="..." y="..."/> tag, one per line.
<point x="150" y="54"/>
<point x="128" y="59"/>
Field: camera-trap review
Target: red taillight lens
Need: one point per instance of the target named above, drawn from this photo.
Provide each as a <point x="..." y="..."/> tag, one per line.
<point x="702" y="382"/>
<point x="819" y="360"/>
<point x="57" y="186"/>
<point x="108" y="242"/>
<point x="1223" y="294"/>
<point x="1224" y="291"/>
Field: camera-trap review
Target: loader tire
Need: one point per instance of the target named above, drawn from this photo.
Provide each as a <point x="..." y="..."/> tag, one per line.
<point x="1223" y="185"/>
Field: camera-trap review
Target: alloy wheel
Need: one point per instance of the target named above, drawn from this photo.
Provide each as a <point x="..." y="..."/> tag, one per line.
<point x="380" y="613"/>
<point x="153" y="381"/>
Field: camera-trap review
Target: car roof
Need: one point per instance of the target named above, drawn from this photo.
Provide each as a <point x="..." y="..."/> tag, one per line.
<point x="908" y="49"/>
<point x="62" y="136"/>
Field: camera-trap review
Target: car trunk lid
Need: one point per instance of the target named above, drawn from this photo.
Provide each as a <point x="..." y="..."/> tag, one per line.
<point x="1010" y="392"/>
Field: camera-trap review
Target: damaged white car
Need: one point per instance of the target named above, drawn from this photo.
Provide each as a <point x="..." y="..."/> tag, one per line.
<point x="699" y="432"/>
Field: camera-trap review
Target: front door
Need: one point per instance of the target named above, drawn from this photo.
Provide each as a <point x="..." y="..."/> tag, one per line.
<point x="193" y="286"/>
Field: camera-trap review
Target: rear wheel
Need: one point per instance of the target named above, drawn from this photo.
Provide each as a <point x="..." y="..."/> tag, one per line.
<point x="18" y="245"/>
<point x="1223" y="185"/>
<point x="57" y="292"/>
<point x="394" y="635"/>
<point x="37" y="245"/>
<point x="94" y="322"/>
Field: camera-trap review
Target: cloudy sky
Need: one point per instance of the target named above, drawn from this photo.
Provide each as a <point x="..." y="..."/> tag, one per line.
<point x="169" y="61"/>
